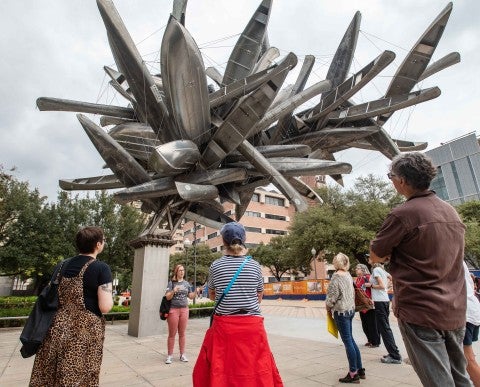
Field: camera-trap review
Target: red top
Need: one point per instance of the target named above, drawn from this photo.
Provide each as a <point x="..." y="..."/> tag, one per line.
<point x="359" y="282"/>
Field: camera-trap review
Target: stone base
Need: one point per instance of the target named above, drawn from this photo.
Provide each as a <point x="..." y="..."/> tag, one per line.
<point x="149" y="281"/>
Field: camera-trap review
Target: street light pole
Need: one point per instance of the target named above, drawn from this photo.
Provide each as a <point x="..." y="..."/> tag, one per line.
<point x="186" y="245"/>
<point x="314" y="253"/>
<point x="195" y="260"/>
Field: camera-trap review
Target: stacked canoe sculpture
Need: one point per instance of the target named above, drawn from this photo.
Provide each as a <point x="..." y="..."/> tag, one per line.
<point x="182" y="144"/>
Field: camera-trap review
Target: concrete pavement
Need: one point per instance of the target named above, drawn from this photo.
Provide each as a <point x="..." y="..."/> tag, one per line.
<point x="306" y="354"/>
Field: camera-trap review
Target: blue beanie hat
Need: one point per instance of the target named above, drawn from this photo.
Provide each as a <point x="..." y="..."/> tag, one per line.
<point x="233" y="231"/>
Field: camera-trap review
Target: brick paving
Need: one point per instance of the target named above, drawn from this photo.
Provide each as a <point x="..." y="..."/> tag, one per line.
<point x="305" y="353"/>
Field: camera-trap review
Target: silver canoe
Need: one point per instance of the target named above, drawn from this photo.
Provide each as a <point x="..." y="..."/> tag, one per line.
<point x="185" y="84"/>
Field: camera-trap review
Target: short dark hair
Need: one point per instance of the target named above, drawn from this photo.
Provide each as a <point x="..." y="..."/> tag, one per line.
<point x="87" y="239"/>
<point x="416" y="168"/>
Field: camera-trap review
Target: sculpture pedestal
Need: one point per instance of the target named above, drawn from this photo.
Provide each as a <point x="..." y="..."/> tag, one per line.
<point x="149" y="281"/>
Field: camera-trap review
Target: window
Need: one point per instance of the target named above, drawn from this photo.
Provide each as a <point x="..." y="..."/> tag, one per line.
<point x="439" y="186"/>
<point x="212" y="235"/>
<point x="276" y="217"/>
<point x="255" y="197"/>
<point x="252" y="213"/>
<point x="253" y="229"/>
<point x="275" y="232"/>
<point x="274" y="201"/>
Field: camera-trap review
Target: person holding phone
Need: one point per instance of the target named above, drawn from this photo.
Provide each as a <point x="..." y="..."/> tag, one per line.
<point x="178" y="291"/>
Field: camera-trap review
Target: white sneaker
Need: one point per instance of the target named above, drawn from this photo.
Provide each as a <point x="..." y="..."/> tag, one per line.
<point x="169" y="360"/>
<point x="183" y="358"/>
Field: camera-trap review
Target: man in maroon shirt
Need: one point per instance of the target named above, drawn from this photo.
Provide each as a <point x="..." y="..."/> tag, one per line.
<point x="424" y="240"/>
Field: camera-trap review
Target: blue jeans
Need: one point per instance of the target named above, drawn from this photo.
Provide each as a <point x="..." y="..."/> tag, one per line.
<point x="436" y="356"/>
<point x="344" y="325"/>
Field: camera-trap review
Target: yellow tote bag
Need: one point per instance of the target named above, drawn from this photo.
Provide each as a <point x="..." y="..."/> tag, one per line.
<point x="331" y="326"/>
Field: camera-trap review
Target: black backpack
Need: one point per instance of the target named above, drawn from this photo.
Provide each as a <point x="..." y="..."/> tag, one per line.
<point x="42" y="314"/>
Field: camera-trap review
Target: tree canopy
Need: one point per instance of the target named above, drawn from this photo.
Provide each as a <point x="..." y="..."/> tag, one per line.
<point x="345" y="222"/>
<point x="470" y="214"/>
<point x="35" y="235"/>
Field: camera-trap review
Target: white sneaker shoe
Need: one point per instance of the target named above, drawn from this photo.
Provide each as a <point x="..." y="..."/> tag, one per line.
<point x="169" y="360"/>
<point x="183" y="358"/>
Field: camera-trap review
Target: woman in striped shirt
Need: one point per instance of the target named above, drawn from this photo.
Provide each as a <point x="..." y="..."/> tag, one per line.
<point x="237" y="335"/>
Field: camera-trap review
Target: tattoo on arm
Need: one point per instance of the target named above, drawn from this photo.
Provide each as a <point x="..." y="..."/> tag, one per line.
<point x="106" y="287"/>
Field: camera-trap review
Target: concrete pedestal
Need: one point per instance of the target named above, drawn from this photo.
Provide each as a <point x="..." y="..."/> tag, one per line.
<point x="149" y="281"/>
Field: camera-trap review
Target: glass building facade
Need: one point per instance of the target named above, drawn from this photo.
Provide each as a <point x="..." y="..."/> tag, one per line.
<point x="458" y="169"/>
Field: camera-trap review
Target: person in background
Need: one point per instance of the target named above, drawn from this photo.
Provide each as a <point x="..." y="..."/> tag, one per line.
<point x="472" y="327"/>
<point x="423" y="239"/>
<point x="341" y="302"/>
<point x="71" y="354"/>
<point x="178" y="291"/>
<point x="369" y="323"/>
<point x="379" y="285"/>
<point x="235" y="350"/>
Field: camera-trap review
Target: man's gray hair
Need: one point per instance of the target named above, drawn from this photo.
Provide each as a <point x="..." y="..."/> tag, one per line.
<point x="416" y="168"/>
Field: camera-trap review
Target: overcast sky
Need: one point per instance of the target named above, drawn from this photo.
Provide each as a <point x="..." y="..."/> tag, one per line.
<point x="57" y="48"/>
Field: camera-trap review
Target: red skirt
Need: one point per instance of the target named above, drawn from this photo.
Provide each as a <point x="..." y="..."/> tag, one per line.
<point x="235" y="352"/>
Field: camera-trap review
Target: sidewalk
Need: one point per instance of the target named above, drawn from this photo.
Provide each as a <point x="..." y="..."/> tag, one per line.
<point x="306" y="354"/>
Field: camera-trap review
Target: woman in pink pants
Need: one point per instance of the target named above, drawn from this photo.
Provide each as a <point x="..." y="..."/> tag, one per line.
<point x="178" y="290"/>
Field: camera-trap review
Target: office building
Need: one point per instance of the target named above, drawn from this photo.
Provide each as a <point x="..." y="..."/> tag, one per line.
<point x="458" y="169"/>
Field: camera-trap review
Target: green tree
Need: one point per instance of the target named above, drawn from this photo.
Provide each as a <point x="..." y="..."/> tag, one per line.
<point x="277" y="255"/>
<point x="121" y="225"/>
<point x="470" y="214"/>
<point x="24" y="230"/>
<point x="372" y="188"/>
<point x="204" y="258"/>
<point x="345" y="222"/>
<point x="36" y="235"/>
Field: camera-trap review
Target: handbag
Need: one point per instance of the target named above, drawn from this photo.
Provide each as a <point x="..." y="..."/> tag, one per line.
<point x="362" y="301"/>
<point x="227" y="289"/>
<point x="42" y="314"/>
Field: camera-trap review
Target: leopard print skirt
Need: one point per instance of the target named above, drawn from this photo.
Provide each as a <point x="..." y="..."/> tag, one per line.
<point x="71" y="354"/>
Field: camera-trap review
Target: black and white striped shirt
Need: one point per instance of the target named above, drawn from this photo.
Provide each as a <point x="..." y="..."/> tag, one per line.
<point x="242" y="297"/>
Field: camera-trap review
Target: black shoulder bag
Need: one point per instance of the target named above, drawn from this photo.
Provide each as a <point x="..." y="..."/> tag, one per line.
<point x="165" y="306"/>
<point x="42" y="314"/>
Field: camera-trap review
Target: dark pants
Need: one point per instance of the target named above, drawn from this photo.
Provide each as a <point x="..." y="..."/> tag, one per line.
<point x="436" y="356"/>
<point x="344" y="325"/>
<point x="369" y="326"/>
<point x="382" y="311"/>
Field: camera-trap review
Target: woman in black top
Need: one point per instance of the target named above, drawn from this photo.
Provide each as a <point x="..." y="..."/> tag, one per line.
<point x="71" y="354"/>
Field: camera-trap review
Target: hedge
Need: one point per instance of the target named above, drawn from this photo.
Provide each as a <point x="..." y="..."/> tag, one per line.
<point x="21" y="306"/>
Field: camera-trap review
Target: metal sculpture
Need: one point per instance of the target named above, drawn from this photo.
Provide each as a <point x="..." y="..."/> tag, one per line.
<point x="180" y="145"/>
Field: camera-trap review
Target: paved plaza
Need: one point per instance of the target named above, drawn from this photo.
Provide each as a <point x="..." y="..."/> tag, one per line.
<point x="306" y="354"/>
